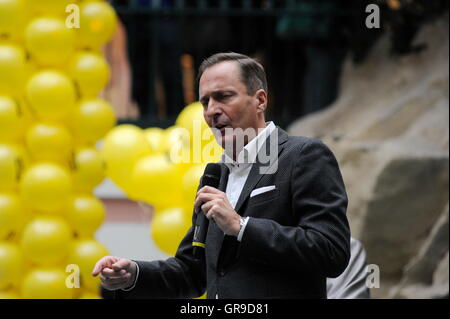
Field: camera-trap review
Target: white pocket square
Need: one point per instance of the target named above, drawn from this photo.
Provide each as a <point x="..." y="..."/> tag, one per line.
<point x="262" y="190"/>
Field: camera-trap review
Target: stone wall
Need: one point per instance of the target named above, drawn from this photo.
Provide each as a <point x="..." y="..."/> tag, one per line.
<point x="389" y="130"/>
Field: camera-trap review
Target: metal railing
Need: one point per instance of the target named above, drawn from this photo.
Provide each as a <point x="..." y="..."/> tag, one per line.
<point x="179" y="12"/>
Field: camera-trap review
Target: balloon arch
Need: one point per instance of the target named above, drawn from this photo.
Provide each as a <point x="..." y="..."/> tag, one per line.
<point x="51" y="118"/>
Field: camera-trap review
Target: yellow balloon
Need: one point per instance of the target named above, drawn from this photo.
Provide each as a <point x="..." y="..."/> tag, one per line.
<point x="191" y="117"/>
<point x="191" y="180"/>
<point x="89" y="295"/>
<point x="168" y="229"/>
<point x="90" y="283"/>
<point x="12" y="214"/>
<point x="97" y="24"/>
<point x="175" y="135"/>
<point x="121" y="149"/>
<point x="51" y="94"/>
<point x="13" y="119"/>
<point x="92" y="119"/>
<point x="155" y="137"/>
<point x="85" y="214"/>
<point x="12" y="14"/>
<point x="11" y="265"/>
<point x="9" y="294"/>
<point x="49" y="142"/>
<point x="46" y="283"/>
<point x="157" y="181"/>
<point x="45" y="240"/>
<point x="204" y="148"/>
<point x="49" y="7"/>
<point x="13" y="68"/>
<point x="88" y="169"/>
<point x="49" y="41"/>
<point x="177" y="144"/>
<point x="46" y="187"/>
<point x="85" y="253"/>
<point x="90" y="71"/>
<point x="13" y="161"/>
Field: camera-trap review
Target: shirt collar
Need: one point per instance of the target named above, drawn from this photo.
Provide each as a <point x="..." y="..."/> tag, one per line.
<point x="248" y="154"/>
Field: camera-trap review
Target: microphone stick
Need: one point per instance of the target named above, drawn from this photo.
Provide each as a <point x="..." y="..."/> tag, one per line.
<point x="211" y="177"/>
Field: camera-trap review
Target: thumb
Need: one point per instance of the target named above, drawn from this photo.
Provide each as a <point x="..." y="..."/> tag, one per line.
<point x="122" y="263"/>
<point x="102" y="263"/>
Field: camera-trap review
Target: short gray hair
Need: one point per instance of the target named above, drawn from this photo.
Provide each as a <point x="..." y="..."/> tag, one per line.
<point x="252" y="72"/>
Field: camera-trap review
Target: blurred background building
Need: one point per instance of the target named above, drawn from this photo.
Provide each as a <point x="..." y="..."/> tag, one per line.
<point x="302" y="44"/>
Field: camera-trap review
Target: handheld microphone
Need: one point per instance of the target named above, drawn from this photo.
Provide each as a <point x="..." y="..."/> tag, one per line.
<point x="211" y="177"/>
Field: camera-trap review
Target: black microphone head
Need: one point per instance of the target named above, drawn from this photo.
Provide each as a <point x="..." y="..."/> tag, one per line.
<point x="213" y="169"/>
<point x="212" y="174"/>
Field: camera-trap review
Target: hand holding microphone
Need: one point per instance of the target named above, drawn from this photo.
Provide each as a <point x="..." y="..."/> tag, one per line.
<point x="215" y="206"/>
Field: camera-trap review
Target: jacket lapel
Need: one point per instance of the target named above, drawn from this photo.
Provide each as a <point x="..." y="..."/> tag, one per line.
<point x="223" y="177"/>
<point x="259" y="169"/>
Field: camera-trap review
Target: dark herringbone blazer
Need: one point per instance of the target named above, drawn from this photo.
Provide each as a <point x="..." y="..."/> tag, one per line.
<point x="296" y="237"/>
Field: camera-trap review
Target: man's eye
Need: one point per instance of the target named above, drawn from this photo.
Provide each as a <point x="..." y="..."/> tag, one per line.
<point x="224" y="96"/>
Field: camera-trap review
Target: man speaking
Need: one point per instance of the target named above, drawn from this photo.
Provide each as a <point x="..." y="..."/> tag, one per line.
<point x="277" y="220"/>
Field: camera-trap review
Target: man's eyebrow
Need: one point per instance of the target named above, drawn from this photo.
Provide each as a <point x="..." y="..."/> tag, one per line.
<point x="205" y="98"/>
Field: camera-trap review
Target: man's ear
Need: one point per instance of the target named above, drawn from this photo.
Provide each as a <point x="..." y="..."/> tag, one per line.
<point x="261" y="100"/>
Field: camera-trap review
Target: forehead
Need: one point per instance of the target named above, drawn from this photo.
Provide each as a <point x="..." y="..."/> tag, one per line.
<point x="221" y="76"/>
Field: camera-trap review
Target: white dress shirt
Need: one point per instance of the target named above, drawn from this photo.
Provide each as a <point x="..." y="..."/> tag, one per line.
<point x="240" y="169"/>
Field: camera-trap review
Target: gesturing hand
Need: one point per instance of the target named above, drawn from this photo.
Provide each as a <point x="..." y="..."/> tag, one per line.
<point x="215" y="205"/>
<point x="115" y="272"/>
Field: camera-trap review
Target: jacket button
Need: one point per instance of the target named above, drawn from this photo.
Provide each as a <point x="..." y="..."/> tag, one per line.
<point x="222" y="273"/>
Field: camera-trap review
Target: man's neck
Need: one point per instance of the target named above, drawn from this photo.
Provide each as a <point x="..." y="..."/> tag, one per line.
<point x="258" y="131"/>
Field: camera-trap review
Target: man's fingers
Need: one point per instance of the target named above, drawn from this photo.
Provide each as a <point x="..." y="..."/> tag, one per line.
<point x="206" y="194"/>
<point x="115" y="284"/>
<point x="111" y="273"/>
<point x="114" y="277"/>
<point x="122" y="264"/>
<point x="207" y="206"/>
<point x="106" y="261"/>
<point x="209" y="189"/>
<point x="210" y="215"/>
<point x="203" y="198"/>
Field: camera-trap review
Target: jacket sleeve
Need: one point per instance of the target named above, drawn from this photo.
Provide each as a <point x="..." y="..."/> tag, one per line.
<point x="320" y="242"/>
<point x="181" y="276"/>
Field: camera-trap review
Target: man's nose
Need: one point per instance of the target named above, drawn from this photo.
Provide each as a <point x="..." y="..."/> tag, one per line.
<point x="213" y="109"/>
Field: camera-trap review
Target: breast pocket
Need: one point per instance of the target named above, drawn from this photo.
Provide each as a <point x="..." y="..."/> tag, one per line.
<point x="264" y="198"/>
